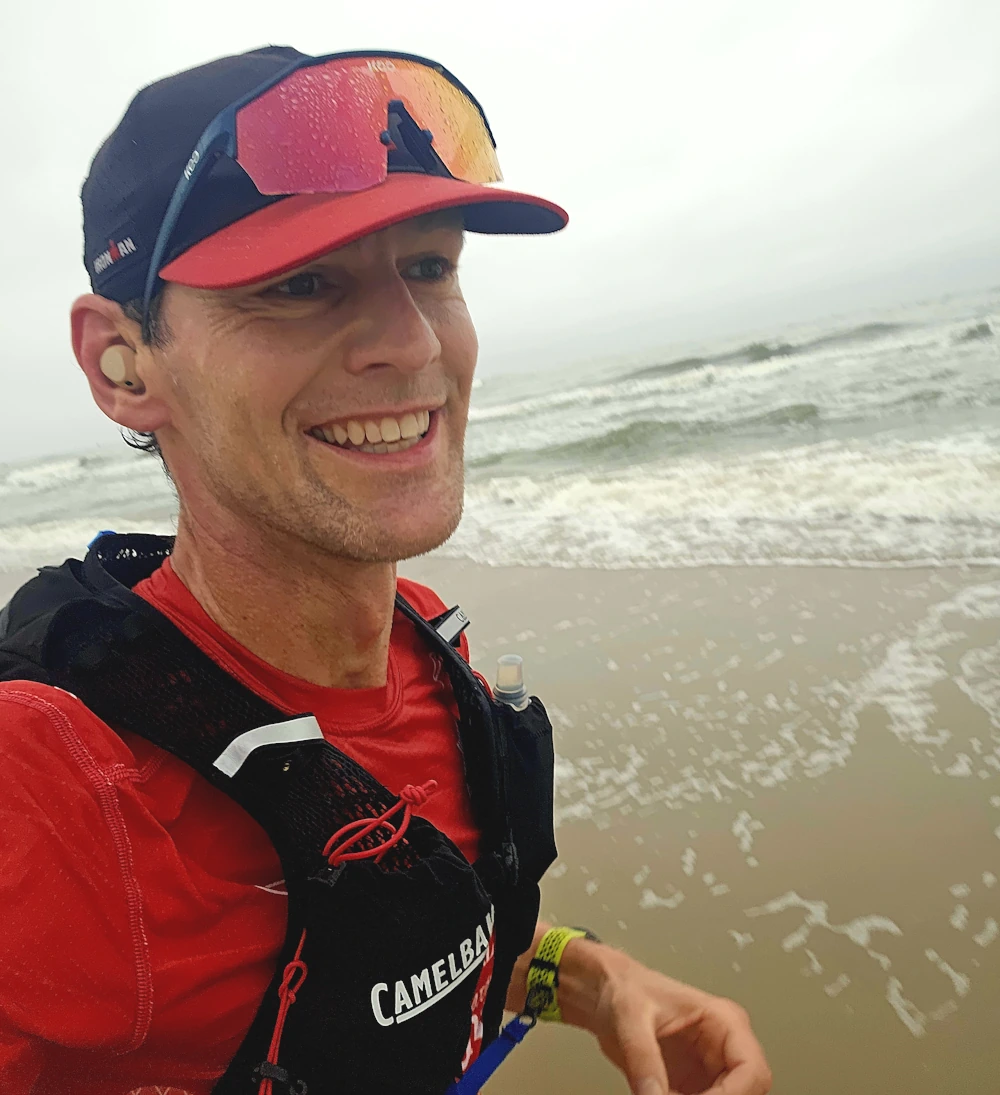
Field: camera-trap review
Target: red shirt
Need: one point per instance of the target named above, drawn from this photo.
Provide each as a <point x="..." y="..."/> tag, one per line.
<point x="142" y="909"/>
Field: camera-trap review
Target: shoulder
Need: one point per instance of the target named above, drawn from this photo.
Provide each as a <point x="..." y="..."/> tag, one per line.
<point x="62" y="766"/>
<point x="50" y="725"/>
<point x="64" y="860"/>
<point x="422" y="597"/>
<point x="429" y="605"/>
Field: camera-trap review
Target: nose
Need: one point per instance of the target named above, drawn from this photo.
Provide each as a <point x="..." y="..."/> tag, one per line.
<point x="390" y="330"/>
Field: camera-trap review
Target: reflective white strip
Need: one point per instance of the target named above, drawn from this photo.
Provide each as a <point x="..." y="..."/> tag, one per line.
<point x="231" y="760"/>
<point x="452" y="625"/>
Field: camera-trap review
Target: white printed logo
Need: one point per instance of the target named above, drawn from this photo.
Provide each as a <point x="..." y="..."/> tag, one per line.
<point x="431" y="984"/>
<point x="115" y="251"/>
<point x="192" y="164"/>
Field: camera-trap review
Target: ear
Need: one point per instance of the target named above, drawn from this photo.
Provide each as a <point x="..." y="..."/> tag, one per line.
<point x="98" y="324"/>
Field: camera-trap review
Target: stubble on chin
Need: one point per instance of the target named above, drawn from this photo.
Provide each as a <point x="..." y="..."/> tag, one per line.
<point x="297" y="509"/>
<point x="327" y="521"/>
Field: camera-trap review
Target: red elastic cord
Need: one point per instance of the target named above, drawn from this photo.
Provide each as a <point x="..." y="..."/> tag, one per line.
<point x="409" y="798"/>
<point x="286" y="994"/>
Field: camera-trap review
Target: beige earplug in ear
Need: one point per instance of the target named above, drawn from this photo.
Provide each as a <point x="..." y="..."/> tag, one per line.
<point x="118" y="365"/>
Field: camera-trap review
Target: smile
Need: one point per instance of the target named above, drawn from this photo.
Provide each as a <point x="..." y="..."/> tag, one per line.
<point x="386" y="435"/>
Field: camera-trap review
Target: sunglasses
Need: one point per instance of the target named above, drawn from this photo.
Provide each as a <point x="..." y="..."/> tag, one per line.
<point x="338" y="124"/>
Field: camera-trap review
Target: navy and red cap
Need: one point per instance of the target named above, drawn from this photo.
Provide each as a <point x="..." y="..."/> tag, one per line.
<point x="229" y="233"/>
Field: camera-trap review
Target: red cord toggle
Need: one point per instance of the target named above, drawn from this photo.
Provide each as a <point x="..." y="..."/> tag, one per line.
<point x="410" y="798"/>
<point x="286" y="994"/>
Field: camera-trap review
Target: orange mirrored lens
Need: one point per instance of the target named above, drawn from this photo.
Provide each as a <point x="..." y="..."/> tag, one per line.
<point x="461" y="138"/>
<point x="318" y="130"/>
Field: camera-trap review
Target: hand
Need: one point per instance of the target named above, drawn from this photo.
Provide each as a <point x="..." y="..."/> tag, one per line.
<point x="665" y="1036"/>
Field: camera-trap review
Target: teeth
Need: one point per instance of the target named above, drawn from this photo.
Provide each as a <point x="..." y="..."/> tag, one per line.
<point x="389" y="435"/>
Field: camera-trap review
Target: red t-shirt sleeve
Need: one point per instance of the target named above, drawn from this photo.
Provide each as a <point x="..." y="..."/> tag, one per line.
<point x="70" y="946"/>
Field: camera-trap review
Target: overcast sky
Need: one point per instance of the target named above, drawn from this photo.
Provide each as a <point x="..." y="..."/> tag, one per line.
<point x="727" y="164"/>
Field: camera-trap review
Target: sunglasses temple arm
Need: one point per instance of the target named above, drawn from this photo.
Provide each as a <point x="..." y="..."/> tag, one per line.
<point x="218" y="138"/>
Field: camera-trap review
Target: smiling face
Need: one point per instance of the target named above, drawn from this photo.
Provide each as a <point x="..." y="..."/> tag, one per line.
<point x="326" y="408"/>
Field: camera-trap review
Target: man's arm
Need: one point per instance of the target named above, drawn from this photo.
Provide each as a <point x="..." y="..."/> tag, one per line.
<point x="67" y="970"/>
<point x="664" y="1035"/>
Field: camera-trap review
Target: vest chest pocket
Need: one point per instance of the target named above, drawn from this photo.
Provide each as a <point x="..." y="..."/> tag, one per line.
<point x="530" y="770"/>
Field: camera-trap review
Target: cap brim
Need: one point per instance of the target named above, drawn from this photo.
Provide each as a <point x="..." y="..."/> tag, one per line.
<point x="300" y="228"/>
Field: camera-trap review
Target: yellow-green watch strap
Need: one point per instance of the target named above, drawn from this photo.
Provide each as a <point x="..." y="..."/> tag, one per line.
<point x="543" y="972"/>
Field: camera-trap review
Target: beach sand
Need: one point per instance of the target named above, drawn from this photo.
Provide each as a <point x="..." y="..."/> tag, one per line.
<point x="781" y="785"/>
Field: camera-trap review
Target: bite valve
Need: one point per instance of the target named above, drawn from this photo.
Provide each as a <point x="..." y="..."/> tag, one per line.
<point x="510" y="682"/>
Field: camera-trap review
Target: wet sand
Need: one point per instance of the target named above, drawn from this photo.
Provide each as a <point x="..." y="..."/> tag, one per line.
<point x="782" y="785"/>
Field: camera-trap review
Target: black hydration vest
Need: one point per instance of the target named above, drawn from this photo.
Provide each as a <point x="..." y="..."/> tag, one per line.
<point x="397" y="948"/>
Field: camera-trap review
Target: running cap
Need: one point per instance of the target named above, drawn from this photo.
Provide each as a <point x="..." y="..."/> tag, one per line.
<point x="280" y="113"/>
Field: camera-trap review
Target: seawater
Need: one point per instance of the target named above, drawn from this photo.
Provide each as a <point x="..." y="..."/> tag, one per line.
<point x="865" y="440"/>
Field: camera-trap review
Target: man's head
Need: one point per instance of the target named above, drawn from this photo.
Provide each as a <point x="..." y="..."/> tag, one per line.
<point x="284" y="325"/>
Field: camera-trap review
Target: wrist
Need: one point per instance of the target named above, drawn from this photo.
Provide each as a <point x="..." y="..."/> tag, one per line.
<point x="584" y="971"/>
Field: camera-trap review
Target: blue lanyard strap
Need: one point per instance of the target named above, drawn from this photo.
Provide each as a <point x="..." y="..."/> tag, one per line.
<point x="493" y="1056"/>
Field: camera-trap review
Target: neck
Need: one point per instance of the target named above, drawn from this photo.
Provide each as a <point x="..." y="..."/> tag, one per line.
<point x="320" y="618"/>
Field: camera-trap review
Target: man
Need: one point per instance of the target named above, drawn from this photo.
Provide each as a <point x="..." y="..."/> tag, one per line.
<point x="245" y="849"/>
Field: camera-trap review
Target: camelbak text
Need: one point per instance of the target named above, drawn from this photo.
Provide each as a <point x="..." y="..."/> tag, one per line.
<point x="408" y="997"/>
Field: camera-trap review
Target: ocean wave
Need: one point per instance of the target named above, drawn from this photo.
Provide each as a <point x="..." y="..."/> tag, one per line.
<point x="670" y="380"/>
<point x="521" y="408"/>
<point x="645" y="439"/>
<point x="896" y="504"/>
<point x="753" y="352"/>
<point x="846" y="372"/>
<point x="57" y="473"/>
<point x="46" y="475"/>
<point x="975" y="333"/>
<point x="849" y="336"/>
<point x="669" y="368"/>
<point x="910" y="381"/>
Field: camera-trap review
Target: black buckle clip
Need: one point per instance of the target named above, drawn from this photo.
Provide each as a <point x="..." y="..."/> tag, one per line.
<point x="328" y="875"/>
<point x="266" y="1071"/>
<point x="538" y="999"/>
